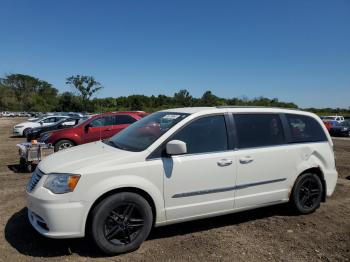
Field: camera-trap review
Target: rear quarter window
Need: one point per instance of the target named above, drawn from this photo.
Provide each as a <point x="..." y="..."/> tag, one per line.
<point x="305" y="129"/>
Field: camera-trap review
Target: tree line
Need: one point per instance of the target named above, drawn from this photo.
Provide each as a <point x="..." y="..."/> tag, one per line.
<point x="20" y="92"/>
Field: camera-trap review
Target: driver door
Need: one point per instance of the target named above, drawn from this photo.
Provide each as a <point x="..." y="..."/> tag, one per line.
<point x="202" y="181"/>
<point x="98" y="129"/>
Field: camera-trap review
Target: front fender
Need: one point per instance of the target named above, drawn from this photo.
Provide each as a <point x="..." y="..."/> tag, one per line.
<point x="123" y="181"/>
<point x="73" y="137"/>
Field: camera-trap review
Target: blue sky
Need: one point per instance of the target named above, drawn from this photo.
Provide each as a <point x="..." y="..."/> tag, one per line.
<point x="294" y="50"/>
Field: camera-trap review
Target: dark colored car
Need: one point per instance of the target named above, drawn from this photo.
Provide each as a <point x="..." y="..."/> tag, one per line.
<point x="36" y="132"/>
<point x="96" y="128"/>
<point x="342" y="129"/>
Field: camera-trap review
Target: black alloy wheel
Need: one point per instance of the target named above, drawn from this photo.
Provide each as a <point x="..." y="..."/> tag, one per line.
<point x="307" y="193"/>
<point x="121" y="222"/>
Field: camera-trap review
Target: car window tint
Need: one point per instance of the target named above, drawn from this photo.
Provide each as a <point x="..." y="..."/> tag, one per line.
<point x="305" y="129"/>
<point x="108" y="121"/>
<point x="207" y="134"/>
<point x="124" y="119"/>
<point x="49" y="120"/>
<point x="257" y="130"/>
<point x="97" y="122"/>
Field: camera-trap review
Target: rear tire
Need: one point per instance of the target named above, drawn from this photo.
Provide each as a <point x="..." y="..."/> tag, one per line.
<point x="121" y="222"/>
<point x="307" y="193"/>
<point x="63" y="144"/>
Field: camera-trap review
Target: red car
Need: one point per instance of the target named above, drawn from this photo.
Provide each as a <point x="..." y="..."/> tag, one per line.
<point x="95" y="128"/>
<point x="328" y="124"/>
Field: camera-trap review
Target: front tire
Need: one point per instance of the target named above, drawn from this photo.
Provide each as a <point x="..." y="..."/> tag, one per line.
<point x="121" y="222"/>
<point x="25" y="131"/>
<point x="307" y="193"/>
<point x="63" y="144"/>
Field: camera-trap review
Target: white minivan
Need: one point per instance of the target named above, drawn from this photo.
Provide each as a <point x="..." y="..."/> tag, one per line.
<point x="178" y="165"/>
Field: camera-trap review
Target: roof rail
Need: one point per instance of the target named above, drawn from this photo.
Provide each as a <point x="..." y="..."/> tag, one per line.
<point x="258" y="107"/>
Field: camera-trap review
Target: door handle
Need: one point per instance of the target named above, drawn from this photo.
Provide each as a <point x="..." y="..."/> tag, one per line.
<point x="108" y="129"/>
<point x="246" y="160"/>
<point x="224" y="162"/>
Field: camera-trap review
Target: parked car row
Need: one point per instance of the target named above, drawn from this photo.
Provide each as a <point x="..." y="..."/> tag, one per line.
<point x="54" y="132"/>
<point x="15" y="114"/>
<point x="337" y="125"/>
<point x="92" y="129"/>
<point x="177" y="165"/>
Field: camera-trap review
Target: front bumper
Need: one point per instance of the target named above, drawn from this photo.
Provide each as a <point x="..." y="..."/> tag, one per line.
<point x="17" y="132"/>
<point x="56" y="218"/>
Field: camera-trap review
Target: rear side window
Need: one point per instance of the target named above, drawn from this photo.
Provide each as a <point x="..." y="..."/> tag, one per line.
<point x="124" y="119"/>
<point x="305" y="129"/>
<point x="207" y="134"/>
<point x="258" y="130"/>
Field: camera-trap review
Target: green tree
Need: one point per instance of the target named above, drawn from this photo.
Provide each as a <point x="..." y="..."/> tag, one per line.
<point x="87" y="86"/>
<point x="67" y="101"/>
<point x="8" y="100"/>
<point x="183" y="98"/>
<point x="208" y="99"/>
<point x="25" y="87"/>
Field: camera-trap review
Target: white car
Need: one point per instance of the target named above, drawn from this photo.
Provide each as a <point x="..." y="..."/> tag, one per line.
<point x="23" y="128"/>
<point x="178" y="165"/>
<point x="339" y="119"/>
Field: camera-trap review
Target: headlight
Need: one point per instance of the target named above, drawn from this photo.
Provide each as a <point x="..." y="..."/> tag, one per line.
<point x="61" y="183"/>
<point x="44" y="137"/>
<point x="19" y="126"/>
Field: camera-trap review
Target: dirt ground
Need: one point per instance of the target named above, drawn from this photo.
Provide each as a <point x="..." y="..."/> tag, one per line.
<point x="272" y="233"/>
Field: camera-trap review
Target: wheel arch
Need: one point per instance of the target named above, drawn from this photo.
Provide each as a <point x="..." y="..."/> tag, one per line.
<point x="317" y="171"/>
<point x="69" y="139"/>
<point x="128" y="189"/>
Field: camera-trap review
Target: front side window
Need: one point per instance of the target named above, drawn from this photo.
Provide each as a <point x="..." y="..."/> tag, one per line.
<point x="305" y="129"/>
<point x="102" y="121"/>
<point x="259" y="130"/>
<point x="49" y="120"/>
<point x="97" y="122"/>
<point x="207" y="134"/>
<point x="141" y="134"/>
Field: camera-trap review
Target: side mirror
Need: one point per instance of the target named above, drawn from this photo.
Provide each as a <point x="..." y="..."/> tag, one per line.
<point x="41" y="122"/>
<point x="176" y="147"/>
<point x="86" y="128"/>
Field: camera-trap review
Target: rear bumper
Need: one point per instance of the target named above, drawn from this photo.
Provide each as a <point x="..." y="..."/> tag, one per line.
<point x="331" y="178"/>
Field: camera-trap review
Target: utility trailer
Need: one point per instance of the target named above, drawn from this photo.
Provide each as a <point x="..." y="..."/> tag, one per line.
<point x="32" y="153"/>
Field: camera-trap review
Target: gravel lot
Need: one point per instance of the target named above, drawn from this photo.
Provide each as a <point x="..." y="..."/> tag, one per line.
<point x="272" y="233"/>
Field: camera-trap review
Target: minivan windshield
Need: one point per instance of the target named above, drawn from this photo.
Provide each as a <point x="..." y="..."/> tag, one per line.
<point x="141" y="134"/>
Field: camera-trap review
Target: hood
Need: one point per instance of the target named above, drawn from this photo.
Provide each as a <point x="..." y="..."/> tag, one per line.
<point x="84" y="158"/>
<point x="30" y="124"/>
